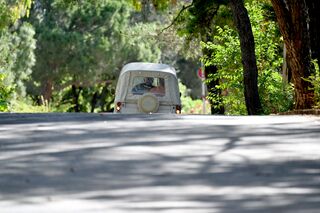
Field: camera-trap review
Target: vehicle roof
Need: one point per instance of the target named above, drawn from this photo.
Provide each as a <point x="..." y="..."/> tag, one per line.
<point x="144" y="66"/>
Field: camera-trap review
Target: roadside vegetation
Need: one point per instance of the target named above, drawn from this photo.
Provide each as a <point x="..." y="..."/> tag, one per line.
<point x="65" y="55"/>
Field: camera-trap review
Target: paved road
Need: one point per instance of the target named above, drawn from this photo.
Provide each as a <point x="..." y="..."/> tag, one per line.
<point x="159" y="163"/>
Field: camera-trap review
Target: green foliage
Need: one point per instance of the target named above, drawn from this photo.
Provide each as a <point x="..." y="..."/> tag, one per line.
<point x="6" y="51"/>
<point x="24" y="45"/>
<point x="16" y="59"/>
<point x="225" y="54"/>
<point x="190" y="106"/>
<point x="11" y="11"/>
<point x="98" y="98"/>
<point x="276" y="95"/>
<point x="5" y="93"/>
<point x="314" y="79"/>
<point x="5" y="15"/>
<point x="200" y="17"/>
<point x="26" y="105"/>
<point x="6" y="63"/>
<point x="148" y="50"/>
<point x="158" y="4"/>
<point x="85" y="43"/>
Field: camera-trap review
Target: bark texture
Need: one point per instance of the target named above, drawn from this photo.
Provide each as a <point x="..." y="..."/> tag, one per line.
<point x="293" y="22"/>
<point x="314" y="17"/>
<point x="46" y="91"/>
<point x="250" y="70"/>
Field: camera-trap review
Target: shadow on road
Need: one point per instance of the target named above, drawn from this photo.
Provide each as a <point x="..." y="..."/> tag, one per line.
<point x="25" y="118"/>
<point x="157" y="164"/>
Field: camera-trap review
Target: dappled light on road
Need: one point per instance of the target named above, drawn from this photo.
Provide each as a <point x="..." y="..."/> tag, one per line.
<point x="159" y="163"/>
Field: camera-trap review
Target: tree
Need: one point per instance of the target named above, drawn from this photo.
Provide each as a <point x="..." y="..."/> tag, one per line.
<point x="202" y="22"/>
<point x="11" y="11"/>
<point x="276" y="96"/>
<point x="5" y="92"/>
<point x="250" y="70"/>
<point x="24" y="44"/>
<point x="13" y="47"/>
<point x="203" y="16"/>
<point x="83" y="44"/>
<point x="313" y="10"/>
<point x="292" y="18"/>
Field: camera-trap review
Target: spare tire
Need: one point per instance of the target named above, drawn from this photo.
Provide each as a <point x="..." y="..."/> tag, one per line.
<point x="148" y="103"/>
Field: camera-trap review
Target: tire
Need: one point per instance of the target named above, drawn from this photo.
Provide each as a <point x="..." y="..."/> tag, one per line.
<point x="148" y="103"/>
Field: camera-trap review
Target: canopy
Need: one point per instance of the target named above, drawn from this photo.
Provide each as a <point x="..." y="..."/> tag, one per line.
<point x="143" y="66"/>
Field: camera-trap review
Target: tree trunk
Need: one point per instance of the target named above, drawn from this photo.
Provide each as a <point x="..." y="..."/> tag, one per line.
<point x="102" y="97"/>
<point x="46" y="92"/>
<point x="250" y="70"/>
<point x="145" y="10"/>
<point x="313" y="10"/>
<point x="292" y="18"/>
<point x="75" y="95"/>
<point x="94" y="101"/>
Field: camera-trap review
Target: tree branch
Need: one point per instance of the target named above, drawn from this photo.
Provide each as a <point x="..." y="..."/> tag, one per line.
<point x="176" y="18"/>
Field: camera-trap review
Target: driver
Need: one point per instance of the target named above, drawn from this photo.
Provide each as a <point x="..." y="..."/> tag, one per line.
<point x="143" y="87"/>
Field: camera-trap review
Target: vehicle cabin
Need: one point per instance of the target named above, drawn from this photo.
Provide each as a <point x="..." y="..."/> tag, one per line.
<point x="147" y="88"/>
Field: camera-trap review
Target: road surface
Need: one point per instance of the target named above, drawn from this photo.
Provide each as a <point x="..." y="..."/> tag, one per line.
<point x="159" y="163"/>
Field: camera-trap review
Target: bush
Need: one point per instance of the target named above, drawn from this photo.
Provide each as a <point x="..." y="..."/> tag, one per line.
<point x="314" y="79"/>
<point x="276" y="96"/>
<point x="26" y="106"/>
<point x="190" y="106"/>
<point x="5" y="94"/>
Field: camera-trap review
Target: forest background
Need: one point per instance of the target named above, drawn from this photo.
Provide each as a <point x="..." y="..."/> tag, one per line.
<point x="66" y="55"/>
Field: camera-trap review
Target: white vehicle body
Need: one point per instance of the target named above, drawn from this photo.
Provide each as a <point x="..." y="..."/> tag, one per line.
<point x="135" y="93"/>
